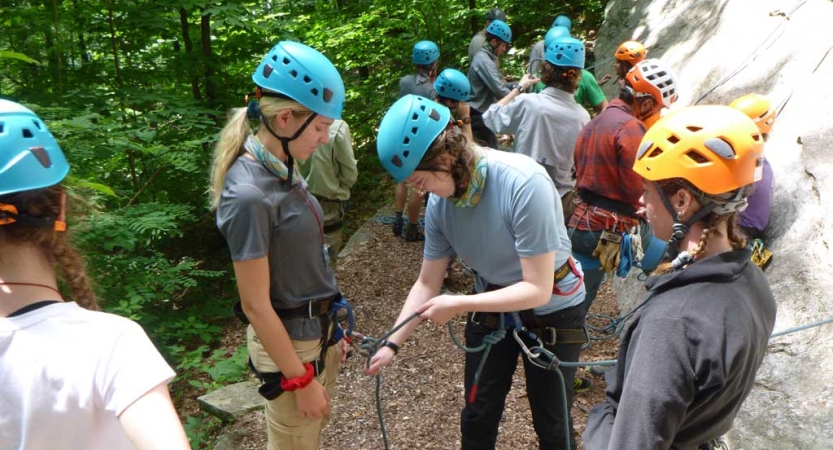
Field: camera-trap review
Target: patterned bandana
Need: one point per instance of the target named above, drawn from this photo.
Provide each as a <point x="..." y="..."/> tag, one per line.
<point x="269" y="161"/>
<point x="479" y="167"/>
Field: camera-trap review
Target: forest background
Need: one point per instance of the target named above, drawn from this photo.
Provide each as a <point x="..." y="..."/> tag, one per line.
<point x="136" y="91"/>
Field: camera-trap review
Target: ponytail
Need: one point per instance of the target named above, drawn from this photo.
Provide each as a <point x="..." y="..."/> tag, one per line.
<point x="226" y="152"/>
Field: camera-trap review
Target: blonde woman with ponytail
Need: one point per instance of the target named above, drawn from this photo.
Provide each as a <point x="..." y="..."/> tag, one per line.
<point x="72" y="377"/>
<point x="689" y="358"/>
<point x="274" y="230"/>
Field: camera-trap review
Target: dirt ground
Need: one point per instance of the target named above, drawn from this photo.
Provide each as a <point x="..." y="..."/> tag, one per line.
<point x="422" y="391"/>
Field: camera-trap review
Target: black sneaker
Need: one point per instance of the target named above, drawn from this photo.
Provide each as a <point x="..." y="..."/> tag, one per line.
<point x="397" y="227"/>
<point x="581" y="385"/>
<point x="413" y="234"/>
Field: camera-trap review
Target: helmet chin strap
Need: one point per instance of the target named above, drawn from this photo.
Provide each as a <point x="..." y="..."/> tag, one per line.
<point x="286" y="140"/>
<point x="679" y="230"/>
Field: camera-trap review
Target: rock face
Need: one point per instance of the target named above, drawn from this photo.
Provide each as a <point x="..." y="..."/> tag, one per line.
<point x="721" y="49"/>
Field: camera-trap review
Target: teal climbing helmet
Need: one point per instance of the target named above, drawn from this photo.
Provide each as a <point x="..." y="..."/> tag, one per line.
<point x="407" y="132"/>
<point x="500" y="29"/>
<point x="555" y="33"/>
<point x="303" y="74"/>
<point x="566" y="52"/>
<point x="425" y="52"/>
<point x="562" y="21"/>
<point x="453" y="84"/>
<point x="30" y="157"/>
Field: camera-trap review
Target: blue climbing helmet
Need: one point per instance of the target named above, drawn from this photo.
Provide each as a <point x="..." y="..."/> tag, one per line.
<point x="501" y="30"/>
<point x="406" y="133"/>
<point x="562" y="21"/>
<point x="453" y="84"/>
<point x="425" y="52"/>
<point x="303" y="74"/>
<point x="566" y="52"/>
<point x="555" y="33"/>
<point x="30" y="158"/>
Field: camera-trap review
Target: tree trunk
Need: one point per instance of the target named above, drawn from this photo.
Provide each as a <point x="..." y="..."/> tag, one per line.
<point x="57" y="47"/>
<point x="205" y="33"/>
<point x="475" y="23"/>
<point x="113" y="42"/>
<point x="189" y="56"/>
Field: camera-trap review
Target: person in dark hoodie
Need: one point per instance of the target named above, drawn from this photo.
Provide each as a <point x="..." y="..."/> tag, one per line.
<point x="689" y="358"/>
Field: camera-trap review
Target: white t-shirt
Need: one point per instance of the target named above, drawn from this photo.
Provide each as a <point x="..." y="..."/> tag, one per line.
<point x="67" y="373"/>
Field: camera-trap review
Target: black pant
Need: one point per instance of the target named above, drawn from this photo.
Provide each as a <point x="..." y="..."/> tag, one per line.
<point x="482" y="134"/>
<point x="480" y="420"/>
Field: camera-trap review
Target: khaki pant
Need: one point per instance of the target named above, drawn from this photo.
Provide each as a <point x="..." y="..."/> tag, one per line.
<point x="285" y="429"/>
<point x="333" y="213"/>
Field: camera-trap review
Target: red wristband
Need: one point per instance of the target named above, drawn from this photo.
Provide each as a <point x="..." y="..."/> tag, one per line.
<point x="292" y="384"/>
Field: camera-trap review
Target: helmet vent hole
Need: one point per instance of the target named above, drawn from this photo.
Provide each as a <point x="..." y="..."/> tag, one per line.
<point x="328" y="95"/>
<point x="293" y="73"/>
<point x="414" y="130"/>
<point x="286" y="61"/>
<point x="697" y="157"/>
<point x="657" y="151"/>
<point x="756" y="136"/>
<point x="42" y="156"/>
<point x="275" y="58"/>
<point x="673" y="139"/>
<point x="314" y="91"/>
<point x="414" y="116"/>
<point x="267" y="70"/>
<point x="720" y="146"/>
<point x="693" y="128"/>
<point x="37" y="124"/>
<point x="406" y="141"/>
<point x="27" y="133"/>
<point x="307" y="79"/>
<point x="396" y="161"/>
<point x="422" y="107"/>
<point x="406" y="153"/>
<point x="434" y="114"/>
<point x="2" y="126"/>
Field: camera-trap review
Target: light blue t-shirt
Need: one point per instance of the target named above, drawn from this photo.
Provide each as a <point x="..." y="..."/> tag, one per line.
<point x="519" y="216"/>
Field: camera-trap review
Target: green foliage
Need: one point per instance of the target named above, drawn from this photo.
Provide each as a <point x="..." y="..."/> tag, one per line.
<point x="202" y="430"/>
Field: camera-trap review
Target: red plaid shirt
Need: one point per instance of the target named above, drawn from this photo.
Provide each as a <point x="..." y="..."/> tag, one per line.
<point x="605" y="152"/>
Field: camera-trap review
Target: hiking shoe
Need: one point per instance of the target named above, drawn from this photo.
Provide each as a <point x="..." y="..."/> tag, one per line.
<point x="413" y="234"/>
<point x="397" y="228"/>
<point x="581" y="385"/>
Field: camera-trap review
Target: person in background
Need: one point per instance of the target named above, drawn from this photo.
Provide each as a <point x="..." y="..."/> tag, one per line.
<point x="688" y="359"/>
<point x="487" y="82"/>
<point x="500" y="213"/>
<point x="274" y="230"/>
<point x="755" y="218"/>
<point x="627" y="55"/>
<point x="537" y="54"/>
<point x="479" y="38"/>
<point x="330" y="172"/>
<point x="425" y="57"/>
<point x="73" y="377"/>
<point x="453" y="91"/>
<point x="546" y="125"/>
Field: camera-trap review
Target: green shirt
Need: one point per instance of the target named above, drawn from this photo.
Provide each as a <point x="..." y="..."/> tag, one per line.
<point x="331" y="171"/>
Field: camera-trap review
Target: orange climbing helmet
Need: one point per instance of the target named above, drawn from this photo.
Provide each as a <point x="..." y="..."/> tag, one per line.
<point x="758" y="108"/>
<point x="652" y="77"/>
<point x="716" y="149"/>
<point x="631" y="52"/>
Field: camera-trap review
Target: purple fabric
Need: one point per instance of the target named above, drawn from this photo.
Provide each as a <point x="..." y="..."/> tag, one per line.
<point x="756" y="215"/>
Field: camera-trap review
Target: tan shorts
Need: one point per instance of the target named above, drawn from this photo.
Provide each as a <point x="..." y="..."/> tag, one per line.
<point x="285" y="429"/>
